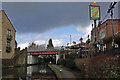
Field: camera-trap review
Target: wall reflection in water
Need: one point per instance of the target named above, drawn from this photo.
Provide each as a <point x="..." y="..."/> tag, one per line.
<point x="35" y="72"/>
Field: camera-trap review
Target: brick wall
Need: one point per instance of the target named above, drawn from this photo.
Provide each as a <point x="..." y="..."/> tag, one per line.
<point x="107" y="27"/>
<point x="6" y="25"/>
<point x="19" y="59"/>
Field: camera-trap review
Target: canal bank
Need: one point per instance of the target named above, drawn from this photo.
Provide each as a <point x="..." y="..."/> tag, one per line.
<point x="56" y="71"/>
<point x="62" y="73"/>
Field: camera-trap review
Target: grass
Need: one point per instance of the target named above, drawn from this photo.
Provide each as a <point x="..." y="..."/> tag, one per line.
<point x="57" y="72"/>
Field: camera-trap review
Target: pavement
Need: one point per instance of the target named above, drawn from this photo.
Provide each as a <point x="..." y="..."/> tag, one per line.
<point x="67" y="74"/>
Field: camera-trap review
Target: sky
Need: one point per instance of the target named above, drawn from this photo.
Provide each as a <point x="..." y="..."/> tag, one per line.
<point x="39" y="21"/>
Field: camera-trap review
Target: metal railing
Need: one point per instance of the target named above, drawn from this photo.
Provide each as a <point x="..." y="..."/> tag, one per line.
<point x="115" y="51"/>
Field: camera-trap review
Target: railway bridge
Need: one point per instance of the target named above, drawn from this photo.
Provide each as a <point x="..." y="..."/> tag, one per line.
<point x="43" y="56"/>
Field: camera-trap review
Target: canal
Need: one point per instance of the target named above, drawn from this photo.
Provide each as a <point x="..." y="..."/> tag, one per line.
<point x="34" y="72"/>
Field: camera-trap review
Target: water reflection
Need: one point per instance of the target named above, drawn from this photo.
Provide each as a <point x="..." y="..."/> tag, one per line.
<point x="35" y="72"/>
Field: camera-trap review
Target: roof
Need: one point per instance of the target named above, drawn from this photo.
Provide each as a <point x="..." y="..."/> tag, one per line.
<point x="110" y="20"/>
<point x="88" y="45"/>
<point x="77" y="46"/>
<point x="105" y="22"/>
<point x="8" y="18"/>
<point x="94" y="4"/>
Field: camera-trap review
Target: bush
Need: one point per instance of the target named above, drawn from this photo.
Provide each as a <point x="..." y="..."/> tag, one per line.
<point x="70" y="61"/>
<point x="61" y="62"/>
<point x="94" y="44"/>
<point x="88" y="41"/>
<point x="82" y="65"/>
<point x="107" y="40"/>
<point x="117" y="39"/>
<point x="104" y="66"/>
<point x="111" y="71"/>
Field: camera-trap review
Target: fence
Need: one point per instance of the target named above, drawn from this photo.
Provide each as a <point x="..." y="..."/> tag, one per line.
<point x="90" y="52"/>
<point x="115" y="50"/>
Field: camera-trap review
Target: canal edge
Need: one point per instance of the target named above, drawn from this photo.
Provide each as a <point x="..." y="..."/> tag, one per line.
<point x="56" y="71"/>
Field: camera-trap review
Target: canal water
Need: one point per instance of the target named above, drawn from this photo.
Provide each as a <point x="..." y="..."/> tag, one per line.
<point x="34" y="72"/>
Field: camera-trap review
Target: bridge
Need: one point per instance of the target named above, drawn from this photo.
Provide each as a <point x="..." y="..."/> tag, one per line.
<point x="41" y="56"/>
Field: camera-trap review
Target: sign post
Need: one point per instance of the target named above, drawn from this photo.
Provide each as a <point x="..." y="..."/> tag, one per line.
<point x="94" y="11"/>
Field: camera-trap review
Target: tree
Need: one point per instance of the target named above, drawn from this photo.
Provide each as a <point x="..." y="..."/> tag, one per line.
<point x="67" y="44"/>
<point x="81" y="39"/>
<point x="88" y="41"/>
<point x="62" y="47"/>
<point x="88" y="36"/>
<point x="31" y="45"/>
<point x="74" y="42"/>
<point x="50" y="44"/>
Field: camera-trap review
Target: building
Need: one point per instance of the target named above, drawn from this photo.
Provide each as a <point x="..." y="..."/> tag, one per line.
<point x="7" y="39"/>
<point x="105" y="30"/>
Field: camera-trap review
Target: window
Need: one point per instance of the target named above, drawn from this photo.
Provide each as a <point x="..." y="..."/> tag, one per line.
<point x="102" y="34"/>
<point x="8" y="49"/>
<point x="8" y="32"/>
<point x="8" y="35"/>
<point x="8" y="44"/>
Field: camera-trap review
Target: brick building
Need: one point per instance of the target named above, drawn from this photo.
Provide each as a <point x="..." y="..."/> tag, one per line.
<point x="7" y="37"/>
<point x="105" y="30"/>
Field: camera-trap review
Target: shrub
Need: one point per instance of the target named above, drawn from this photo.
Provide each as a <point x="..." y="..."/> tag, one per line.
<point x="61" y="62"/>
<point x="94" y="44"/>
<point x="70" y="60"/>
<point x="107" y="40"/>
<point x="117" y="39"/>
<point x="88" y="41"/>
<point x="104" y="66"/>
<point x="111" y="71"/>
<point x="82" y="65"/>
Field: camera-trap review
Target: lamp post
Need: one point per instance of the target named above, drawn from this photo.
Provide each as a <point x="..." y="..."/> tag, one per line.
<point x="112" y="28"/>
<point x="110" y="10"/>
<point x="99" y="34"/>
<point x="94" y="15"/>
<point x="95" y="29"/>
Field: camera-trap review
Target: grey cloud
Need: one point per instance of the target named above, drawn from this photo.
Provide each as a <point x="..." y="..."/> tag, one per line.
<point x="57" y="0"/>
<point x="32" y="17"/>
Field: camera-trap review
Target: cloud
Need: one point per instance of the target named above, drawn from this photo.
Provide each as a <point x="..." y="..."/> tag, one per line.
<point x="46" y="37"/>
<point x="41" y="17"/>
<point x="40" y="42"/>
<point x="36" y="37"/>
<point x="67" y="36"/>
<point x="26" y="44"/>
<point x="57" y="42"/>
<point x="86" y="30"/>
<point x="23" y="45"/>
<point x="57" y="0"/>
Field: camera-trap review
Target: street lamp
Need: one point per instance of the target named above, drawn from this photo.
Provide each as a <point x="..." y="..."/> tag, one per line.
<point x="110" y="10"/>
<point x="99" y="34"/>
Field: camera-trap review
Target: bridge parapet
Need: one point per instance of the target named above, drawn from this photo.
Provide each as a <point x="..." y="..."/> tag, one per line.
<point x="42" y="50"/>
